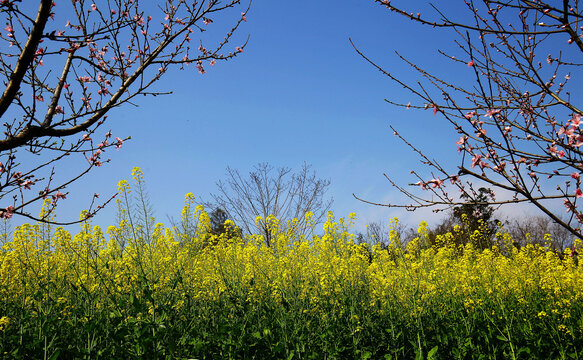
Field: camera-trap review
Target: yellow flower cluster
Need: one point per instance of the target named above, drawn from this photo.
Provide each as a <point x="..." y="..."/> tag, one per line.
<point x="314" y="270"/>
<point x="324" y="277"/>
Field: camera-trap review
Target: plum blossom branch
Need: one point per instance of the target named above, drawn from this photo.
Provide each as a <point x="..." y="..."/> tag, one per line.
<point x="106" y="53"/>
<point x="519" y="128"/>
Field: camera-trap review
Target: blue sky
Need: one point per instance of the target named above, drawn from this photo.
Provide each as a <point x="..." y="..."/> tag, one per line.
<point x="299" y="93"/>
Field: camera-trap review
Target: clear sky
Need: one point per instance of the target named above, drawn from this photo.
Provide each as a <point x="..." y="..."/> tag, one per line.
<point x="298" y="93"/>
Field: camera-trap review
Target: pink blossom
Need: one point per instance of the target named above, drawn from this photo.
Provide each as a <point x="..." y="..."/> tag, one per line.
<point x="243" y="17"/>
<point x="470" y="115"/>
<point x="10" y="31"/>
<point x="461" y="141"/>
<point x="7" y="213"/>
<point x="579" y="193"/>
<point x="93" y="7"/>
<point x="119" y="143"/>
<point x="569" y="205"/>
<point x="26" y="184"/>
<point x="476" y="160"/>
<point x="553" y="150"/>
<point x="422" y="184"/>
<point x="576" y="120"/>
<point x="212" y="62"/>
<point x="574" y="251"/>
<point x="139" y="20"/>
<point x="492" y="112"/>
<point x="200" y="68"/>
<point x="500" y="168"/>
<point x="59" y="110"/>
<point x="86" y="101"/>
<point x="470" y="63"/>
<point x="100" y="78"/>
<point x="436" y="182"/>
<point x="575" y="175"/>
<point x="206" y="21"/>
<point x="434" y="109"/>
<point x="59" y="195"/>
<point x="86" y="137"/>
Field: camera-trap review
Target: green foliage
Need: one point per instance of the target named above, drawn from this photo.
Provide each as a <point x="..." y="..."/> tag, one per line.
<point x="470" y="222"/>
<point x="221" y="225"/>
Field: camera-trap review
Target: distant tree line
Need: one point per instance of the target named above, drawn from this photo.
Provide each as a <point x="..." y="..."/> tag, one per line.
<point x="477" y="216"/>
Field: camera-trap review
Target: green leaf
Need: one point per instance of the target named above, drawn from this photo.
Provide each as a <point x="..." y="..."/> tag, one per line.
<point x="523" y="350"/>
<point x="432" y="352"/>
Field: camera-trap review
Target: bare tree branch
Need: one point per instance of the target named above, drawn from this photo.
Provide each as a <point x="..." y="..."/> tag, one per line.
<point x="269" y="192"/>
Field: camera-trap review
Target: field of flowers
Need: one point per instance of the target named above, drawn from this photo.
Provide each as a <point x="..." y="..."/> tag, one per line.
<point x="143" y="290"/>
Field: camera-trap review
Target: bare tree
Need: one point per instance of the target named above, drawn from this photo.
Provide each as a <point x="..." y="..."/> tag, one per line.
<point x="377" y="233"/>
<point x="519" y="126"/>
<point x="533" y="230"/>
<point x="65" y="67"/>
<point x="267" y="192"/>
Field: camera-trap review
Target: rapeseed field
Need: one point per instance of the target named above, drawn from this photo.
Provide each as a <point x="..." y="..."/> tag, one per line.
<point x="146" y="291"/>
